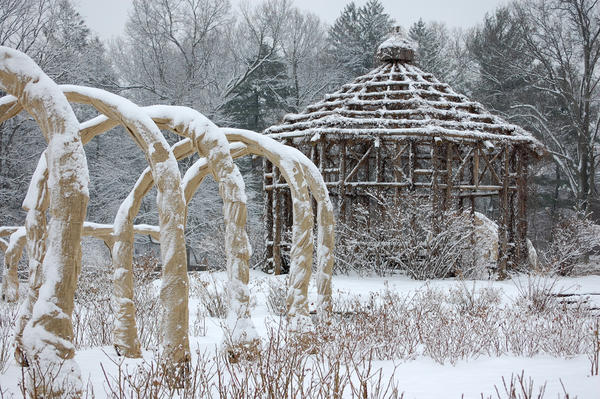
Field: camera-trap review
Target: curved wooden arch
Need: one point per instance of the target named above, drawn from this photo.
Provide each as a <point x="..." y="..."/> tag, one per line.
<point x="299" y="172"/>
<point x="295" y="175"/>
<point x="295" y="165"/>
<point x="205" y="138"/>
<point x="12" y="254"/>
<point x="50" y="331"/>
<point x="174" y="290"/>
<point x="257" y="144"/>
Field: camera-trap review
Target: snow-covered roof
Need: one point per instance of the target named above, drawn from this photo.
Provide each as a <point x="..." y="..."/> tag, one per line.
<point x="399" y="99"/>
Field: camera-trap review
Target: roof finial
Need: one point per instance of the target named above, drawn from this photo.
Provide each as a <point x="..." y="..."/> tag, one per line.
<point x="397" y="48"/>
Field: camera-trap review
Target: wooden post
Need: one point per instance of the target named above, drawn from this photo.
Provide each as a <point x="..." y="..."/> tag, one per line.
<point x="502" y="229"/>
<point x="449" y="176"/>
<point x="268" y="170"/>
<point x="436" y="196"/>
<point x="522" y="177"/>
<point x="378" y="161"/>
<point x="342" y="184"/>
<point x="276" y="224"/>
<point x="411" y="164"/>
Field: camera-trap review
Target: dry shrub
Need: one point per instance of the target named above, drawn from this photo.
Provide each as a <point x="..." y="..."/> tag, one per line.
<point x="146" y="298"/>
<point x="211" y="293"/>
<point x="406" y="236"/>
<point x="474" y="301"/>
<point x="280" y="369"/>
<point x="573" y="239"/>
<point x="594" y="348"/>
<point x="93" y="314"/>
<point x="520" y="387"/>
<point x="462" y="324"/>
<point x="8" y="318"/>
<point x="538" y="293"/>
<point x="276" y="296"/>
<point x="41" y="381"/>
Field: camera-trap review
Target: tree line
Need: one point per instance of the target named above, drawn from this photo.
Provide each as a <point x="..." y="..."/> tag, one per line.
<point x="533" y="62"/>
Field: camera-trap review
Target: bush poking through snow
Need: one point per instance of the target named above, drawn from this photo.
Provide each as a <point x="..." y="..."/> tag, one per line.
<point x="462" y="324"/>
<point x="574" y="237"/>
<point x="277" y="295"/>
<point x="537" y="294"/>
<point x="404" y="236"/>
<point x="279" y="369"/>
<point x="147" y="300"/>
<point x="93" y="313"/>
<point x="43" y="381"/>
<point x="594" y="353"/>
<point x="212" y="295"/>
<point x="8" y="318"/>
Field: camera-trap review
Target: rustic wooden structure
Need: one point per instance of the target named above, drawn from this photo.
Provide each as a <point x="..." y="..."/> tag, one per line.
<point x="396" y="129"/>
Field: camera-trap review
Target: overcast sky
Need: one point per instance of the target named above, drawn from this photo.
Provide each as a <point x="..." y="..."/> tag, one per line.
<point x="107" y="17"/>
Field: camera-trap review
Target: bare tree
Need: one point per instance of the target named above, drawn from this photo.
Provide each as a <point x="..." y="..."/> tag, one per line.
<point x="171" y="50"/>
<point x="563" y="40"/>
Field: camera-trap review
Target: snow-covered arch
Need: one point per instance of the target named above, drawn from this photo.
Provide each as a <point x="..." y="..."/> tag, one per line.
<point x="12" y="254"/>
<point x="174" y="291"/>
<point x="300" y="173"/>
<point x="206" y="139"/>
<point x="49" y="332"/>
<point x="297" y="166"/>
<point x="297" y="170"/>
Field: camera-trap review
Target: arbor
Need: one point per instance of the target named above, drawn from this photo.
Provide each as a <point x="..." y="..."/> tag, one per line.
<point x="356" y="34"/>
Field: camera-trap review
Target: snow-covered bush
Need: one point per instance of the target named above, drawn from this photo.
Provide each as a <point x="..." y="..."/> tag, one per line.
<point x="8" y="317"/>
<point x="410" y="236"/>
<point x="93" y="314"/>
<point x="146" y="299"/>
<point x="211" y="293"/>
<point x="574" y="236"/>
<point x="276" y="296"/>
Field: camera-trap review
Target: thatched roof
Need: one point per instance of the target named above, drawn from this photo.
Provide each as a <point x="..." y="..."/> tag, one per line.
<point x="399" y="99"/>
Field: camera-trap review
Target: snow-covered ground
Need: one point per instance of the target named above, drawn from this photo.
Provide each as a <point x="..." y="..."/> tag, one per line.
<point x="420" y="377"/>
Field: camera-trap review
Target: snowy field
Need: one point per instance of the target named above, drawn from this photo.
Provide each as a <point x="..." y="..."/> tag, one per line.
<point x="417" y="375"/>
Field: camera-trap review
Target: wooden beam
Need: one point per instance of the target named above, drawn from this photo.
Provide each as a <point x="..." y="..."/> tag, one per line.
<point x="360" y="163"/>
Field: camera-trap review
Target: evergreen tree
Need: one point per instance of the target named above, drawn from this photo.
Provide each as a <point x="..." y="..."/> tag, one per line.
<point x="259" y="100"/>
<point x="355" y="36"/>
<point x="432" y="55"/>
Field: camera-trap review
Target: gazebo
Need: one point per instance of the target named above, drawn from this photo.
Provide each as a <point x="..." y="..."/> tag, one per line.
<point x="398" y="128"/>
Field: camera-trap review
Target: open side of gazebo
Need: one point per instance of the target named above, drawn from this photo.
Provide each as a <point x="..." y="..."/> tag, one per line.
<point x="399" y="129"/>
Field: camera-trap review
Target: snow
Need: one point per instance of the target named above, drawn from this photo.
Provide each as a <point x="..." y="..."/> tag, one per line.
<point x="419" y="378"/>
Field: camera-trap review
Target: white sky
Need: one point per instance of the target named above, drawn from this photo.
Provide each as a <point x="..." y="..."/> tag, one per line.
<point x="107" y="17"/>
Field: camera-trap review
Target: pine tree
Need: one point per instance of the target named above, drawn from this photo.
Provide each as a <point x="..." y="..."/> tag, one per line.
<point x="432" y="54"/>
<point x="356" y="34"/>
<point x="259" y="101"/>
